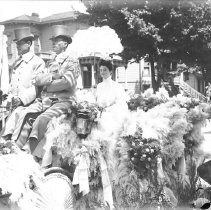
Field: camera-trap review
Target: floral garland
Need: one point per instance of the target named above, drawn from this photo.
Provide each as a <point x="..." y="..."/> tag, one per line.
<point x="163" y="131"/>
<point x="186" y="102"/>
<point x="92" y="109"/>
<point x="143" y="154"/>
<point x="136" y="101"/>
<point x="7" y="147"/>
<point x="140" y="102"/>
<point x="148" y="99"/>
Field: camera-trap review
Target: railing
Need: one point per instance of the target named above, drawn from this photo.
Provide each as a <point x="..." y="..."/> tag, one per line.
<point x="189" y="90"/>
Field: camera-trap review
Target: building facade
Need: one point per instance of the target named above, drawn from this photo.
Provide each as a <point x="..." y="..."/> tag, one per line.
<point x="41" y="29"/>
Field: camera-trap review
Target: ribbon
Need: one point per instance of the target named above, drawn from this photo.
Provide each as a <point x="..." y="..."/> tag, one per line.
<point x="81" y="174"/>
<point x="182" y="165"/>
<point x="107" y="190"/>
<point x="160" y="168"/>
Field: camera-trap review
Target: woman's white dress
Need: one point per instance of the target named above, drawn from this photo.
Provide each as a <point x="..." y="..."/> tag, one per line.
<point x="112" y="96"/>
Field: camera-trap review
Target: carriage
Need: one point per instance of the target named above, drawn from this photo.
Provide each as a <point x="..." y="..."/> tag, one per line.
<point x="84" y="168"/>
<point x="55" y="189"/>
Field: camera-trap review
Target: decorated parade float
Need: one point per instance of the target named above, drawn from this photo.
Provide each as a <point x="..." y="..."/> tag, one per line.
<point x="145" y="158"/>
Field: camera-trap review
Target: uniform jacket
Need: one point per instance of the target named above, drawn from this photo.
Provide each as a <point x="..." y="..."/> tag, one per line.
<point x="64" y="86"/>
<point x="24" y="72"/>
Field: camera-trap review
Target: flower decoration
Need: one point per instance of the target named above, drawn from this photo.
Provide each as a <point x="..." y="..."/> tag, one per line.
<point x="153" y="101"/>
<point x="7" y="147"/>
<point x="143" y="153"/>
<point x="92" y="109"/>
<point x="146" y="101"/>
<point x="135" y="102"/>
<point x="85" y="114"/>
<point x="188" y="103"/>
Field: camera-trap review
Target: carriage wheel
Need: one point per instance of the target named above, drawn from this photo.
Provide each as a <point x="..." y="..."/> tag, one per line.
<point x="56" y="192"/>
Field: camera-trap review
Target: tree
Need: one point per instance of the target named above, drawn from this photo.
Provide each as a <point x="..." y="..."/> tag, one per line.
<point x="163" y="30"/>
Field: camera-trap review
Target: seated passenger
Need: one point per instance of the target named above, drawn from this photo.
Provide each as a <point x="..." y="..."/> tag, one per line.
<point x="22" y="91"/>
<point x="111" y="96"/>
<point x="58" y="90"/>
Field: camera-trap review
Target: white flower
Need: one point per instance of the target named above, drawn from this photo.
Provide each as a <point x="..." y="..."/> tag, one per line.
<point x="147" y="150"/>
<point x="6" y="150"/>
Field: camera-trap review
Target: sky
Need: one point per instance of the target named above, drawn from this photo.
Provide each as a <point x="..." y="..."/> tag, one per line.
<point x="11" y="9"/>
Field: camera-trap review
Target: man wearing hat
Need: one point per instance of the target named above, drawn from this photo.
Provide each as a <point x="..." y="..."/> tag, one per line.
<point x="58" y="89"/>
<point x="22" y="90"/>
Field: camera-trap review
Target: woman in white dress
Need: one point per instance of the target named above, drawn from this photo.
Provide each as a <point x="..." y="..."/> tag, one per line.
<point x="112" y="97"/>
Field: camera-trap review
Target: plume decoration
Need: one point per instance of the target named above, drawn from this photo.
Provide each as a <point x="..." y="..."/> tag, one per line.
<point x="194" y="138"/>
<point x="126" y="182"/>
<point x="131" y="144"/>
<point x="19" y="176"/>
<point x="166" y="125"/>
<point x="63" y="138"/>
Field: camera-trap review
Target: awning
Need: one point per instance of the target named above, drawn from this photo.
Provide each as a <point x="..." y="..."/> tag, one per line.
<point x="94" y="59"/>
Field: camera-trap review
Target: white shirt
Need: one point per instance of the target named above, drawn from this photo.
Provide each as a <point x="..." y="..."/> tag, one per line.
<point x="111" y="95"/>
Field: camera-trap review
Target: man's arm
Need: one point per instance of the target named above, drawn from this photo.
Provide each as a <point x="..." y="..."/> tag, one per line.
<point x="29" y="94"/>
<point x="66" y="82"/>
<point x="68" y="78"/>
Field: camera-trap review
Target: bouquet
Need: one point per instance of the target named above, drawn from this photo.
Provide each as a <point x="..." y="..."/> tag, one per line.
<point x="85" y="114"/>
<point x="8" y="147"/>
<point x="143" y="154"/>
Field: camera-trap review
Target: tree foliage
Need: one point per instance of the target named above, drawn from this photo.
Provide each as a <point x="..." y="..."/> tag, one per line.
<point x="170" y="30"/>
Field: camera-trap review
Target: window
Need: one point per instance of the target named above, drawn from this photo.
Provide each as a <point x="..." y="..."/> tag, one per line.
<point x="87" y="76"/>
<point x="186" y="76"/>
<point x="146" y="72"/>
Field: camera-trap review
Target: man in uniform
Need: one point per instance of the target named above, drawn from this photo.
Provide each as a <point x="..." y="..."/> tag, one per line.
<point x="22" y="91"/>
<point x="58" y="89"/>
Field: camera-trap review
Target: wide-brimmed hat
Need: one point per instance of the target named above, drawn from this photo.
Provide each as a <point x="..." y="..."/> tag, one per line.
<point x="23" y="33"/>
<point x="61" y="31"/>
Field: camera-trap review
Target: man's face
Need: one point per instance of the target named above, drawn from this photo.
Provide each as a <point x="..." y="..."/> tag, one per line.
<point x="59" y="45"/>
<point x="23" y="46"/>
